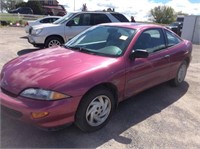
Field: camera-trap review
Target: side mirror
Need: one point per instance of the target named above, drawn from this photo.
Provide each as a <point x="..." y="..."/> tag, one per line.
<point x="70" y="23"/>
<point x="139" y="53"/>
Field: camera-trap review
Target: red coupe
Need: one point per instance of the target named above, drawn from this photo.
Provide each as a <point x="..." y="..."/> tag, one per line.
<point x="84" y="80"/>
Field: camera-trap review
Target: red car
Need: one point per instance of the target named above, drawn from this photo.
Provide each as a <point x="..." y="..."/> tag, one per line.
<point x="84" y="80"/>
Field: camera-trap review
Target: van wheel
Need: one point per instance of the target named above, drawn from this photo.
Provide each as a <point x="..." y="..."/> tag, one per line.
<point x="180" y="76"/>
<point x="39" y="46"/>
<point x="53" y="42"/>
<point x="95" y="110"/>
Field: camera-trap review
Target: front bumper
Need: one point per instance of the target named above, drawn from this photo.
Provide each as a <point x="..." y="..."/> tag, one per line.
<point x="38" y="40"/>
<point x="61" y="112"/>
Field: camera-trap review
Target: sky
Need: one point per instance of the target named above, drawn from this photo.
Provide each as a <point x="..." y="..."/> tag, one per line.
<point x="137" y="8"/>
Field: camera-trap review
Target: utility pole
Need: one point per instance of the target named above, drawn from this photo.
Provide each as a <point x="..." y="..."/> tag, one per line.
<point x="74" y="5"/>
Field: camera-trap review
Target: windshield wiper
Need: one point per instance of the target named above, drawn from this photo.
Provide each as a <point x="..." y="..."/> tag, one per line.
<point x="81" y="49"/>
<point x="76" y="48"/>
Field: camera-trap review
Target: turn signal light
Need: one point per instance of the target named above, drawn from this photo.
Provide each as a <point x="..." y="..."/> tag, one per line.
<point x="37" y="115"/>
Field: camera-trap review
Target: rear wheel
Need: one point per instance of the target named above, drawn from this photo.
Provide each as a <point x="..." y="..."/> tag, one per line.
<point x="53" y="42"/>
<point x="95" y="110"/>
<point x="180" y="76"/>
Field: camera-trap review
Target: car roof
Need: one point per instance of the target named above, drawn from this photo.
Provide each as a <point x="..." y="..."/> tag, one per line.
<point x="133" y="25"/>
<point x="51" y="17"/>
<point x="103" y="12"/>
<point x="23" y="8"/>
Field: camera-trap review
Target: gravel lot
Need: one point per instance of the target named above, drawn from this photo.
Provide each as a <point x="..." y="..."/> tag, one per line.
<point x="161" y="117"/>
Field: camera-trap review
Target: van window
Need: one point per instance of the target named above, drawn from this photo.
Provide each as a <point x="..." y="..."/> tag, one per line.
<point x="99" y="18"/>
<point x="120" y="17"/>
<point x="82" y="20"/>
<point x="64" y="19"/>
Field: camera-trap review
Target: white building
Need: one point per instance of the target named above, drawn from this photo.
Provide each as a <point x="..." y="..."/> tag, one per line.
<point x="191" y="29"/>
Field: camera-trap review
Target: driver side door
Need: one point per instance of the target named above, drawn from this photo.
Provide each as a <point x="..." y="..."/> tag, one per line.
<point x="143" y="73"/>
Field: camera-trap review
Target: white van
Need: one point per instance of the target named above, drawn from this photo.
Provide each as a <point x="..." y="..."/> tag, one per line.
<point x="48" y="35"/>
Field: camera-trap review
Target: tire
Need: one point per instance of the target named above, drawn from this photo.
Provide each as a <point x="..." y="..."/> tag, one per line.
<point x="39" y="46"/>
<point x="53" y="42"/>
<point x="95" y="110"/>
<point x="180" y="76"/>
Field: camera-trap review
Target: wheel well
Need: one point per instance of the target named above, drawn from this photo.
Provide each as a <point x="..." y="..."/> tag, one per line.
<point x="58" y="36"/>
<point x="112" y="88"/>
<point x="187" y="61"/>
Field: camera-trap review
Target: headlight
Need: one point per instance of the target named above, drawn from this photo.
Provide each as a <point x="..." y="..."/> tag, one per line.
<point x="42" y="94"/>
<point x="36" y="31"/>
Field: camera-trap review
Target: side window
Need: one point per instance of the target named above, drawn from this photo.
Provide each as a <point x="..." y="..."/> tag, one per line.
<point x="172" y="39"/>
<point x="76" y="20"/>
<point x="54" y="19"/>
<point x="151" y="40"/>
<point x="45" y="20"/>
<point x="26" y="10"/>
<point x="81" y="20"/>
<point x="21" y="11"/>
<point x="99" y="18"/>
<point x="120" y="17"/>
<point x="51" y="20"/>
<point x="85" y="20"/>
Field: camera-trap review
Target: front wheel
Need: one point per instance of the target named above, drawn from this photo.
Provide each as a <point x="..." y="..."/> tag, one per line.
<point x="53" y="42"/>
<point x="95" y="110"/>
<point x="180" y="76"/>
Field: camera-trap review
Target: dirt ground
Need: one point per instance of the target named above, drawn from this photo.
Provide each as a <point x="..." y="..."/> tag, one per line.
<point x="161" y="117"/>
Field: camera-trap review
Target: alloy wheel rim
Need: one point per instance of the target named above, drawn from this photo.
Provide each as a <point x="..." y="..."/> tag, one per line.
<point x="98" y="110"/>
<point x="182" y="73"/>
<point x="54" y="43"/>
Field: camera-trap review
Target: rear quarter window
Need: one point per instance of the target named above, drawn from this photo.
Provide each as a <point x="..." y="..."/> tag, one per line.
<point x="120" y="17"/>
<point x="172" y="39"/>
<point x="99" y="18"/>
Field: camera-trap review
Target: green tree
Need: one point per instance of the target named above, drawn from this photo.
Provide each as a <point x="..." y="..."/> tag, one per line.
<point x="22" y="4"/>
<point x="163" y="14"/>
<point x="8" y="4"/>
<point x="35" y="6"/>
<point x="181" y="13"/>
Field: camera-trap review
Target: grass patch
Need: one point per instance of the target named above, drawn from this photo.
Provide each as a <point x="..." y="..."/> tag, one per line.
<point x="12" y="19"/>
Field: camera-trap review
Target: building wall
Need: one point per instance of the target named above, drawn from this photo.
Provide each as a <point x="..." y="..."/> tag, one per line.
<point x="191" y="29"/>
<point x="196" y="36"/>
<point x="49" y="2"/>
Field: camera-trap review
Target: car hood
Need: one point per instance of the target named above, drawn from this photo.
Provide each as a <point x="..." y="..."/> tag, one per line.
<point x="45" y="25"/>
<point x="44" y="68"/>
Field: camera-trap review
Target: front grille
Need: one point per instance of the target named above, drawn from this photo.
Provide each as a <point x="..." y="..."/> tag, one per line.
<point x="8" y="93"/>
<point x="11" y="112"/>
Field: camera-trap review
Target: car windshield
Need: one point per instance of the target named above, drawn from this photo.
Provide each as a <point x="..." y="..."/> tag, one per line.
<point x="64" y="18"/>
<point x="102" y="40"/>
